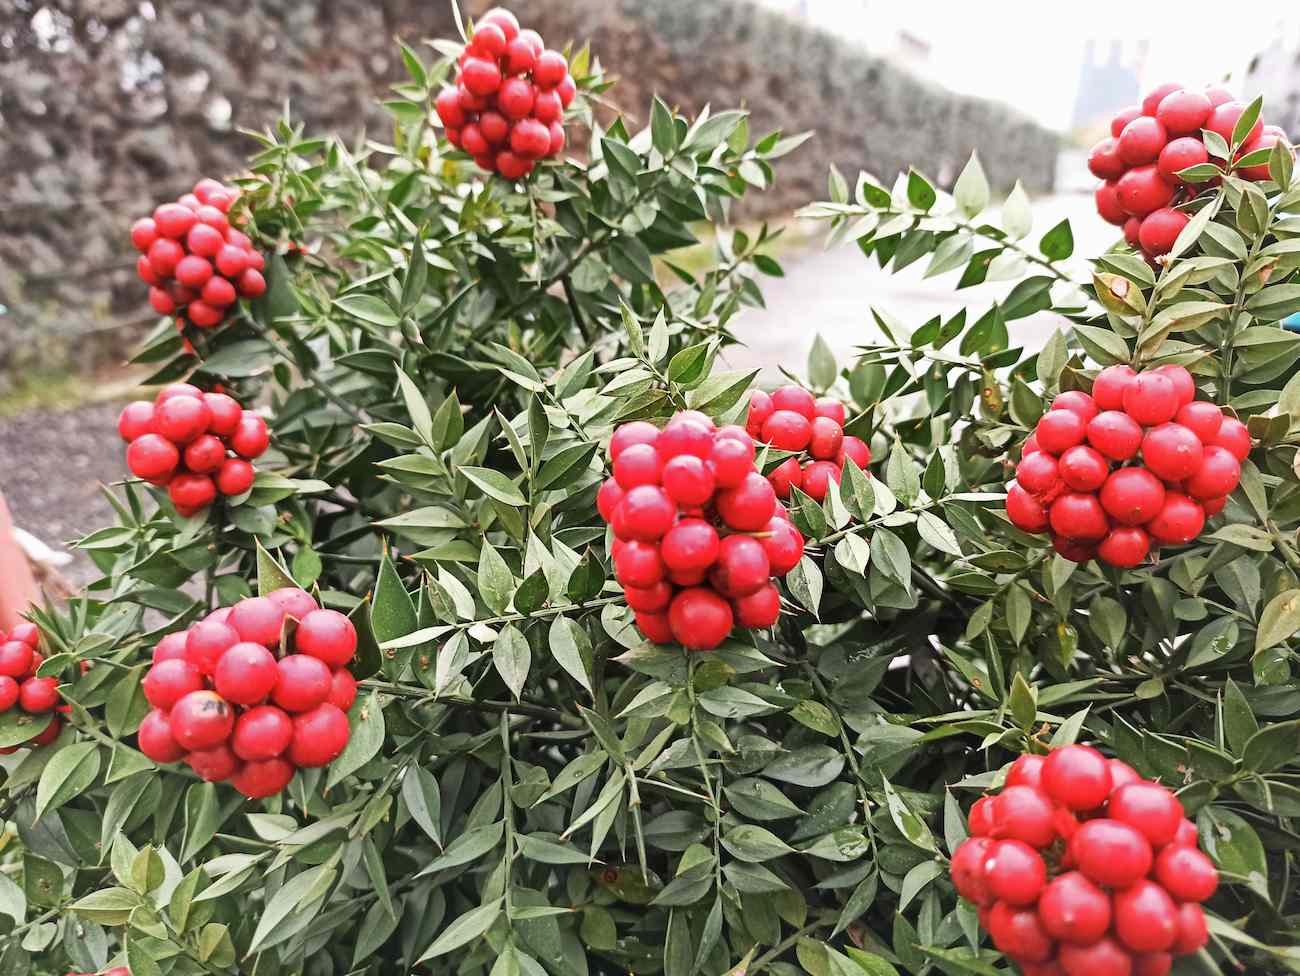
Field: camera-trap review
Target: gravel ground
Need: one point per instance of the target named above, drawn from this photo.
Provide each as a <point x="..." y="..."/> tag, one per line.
<point x="52" y="463"/>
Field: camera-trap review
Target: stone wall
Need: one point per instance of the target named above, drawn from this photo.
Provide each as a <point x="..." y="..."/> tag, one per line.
<point x="108" y="106"/>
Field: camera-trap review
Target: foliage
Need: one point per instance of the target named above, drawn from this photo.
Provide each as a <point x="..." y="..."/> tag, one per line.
<point x="531" y="789"/>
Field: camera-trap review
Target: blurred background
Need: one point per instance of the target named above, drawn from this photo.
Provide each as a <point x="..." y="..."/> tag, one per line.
<point x="107" y="106"/>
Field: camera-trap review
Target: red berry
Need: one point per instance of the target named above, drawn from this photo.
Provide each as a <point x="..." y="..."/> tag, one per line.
<point x="1133" y="231"/>
<point x="164" y="254"/>
<point x="648" y="599"/>
<point x="530" y="139"/>
<point x="1259" y="171"/>
<point x="691" y="544"/>
<point x="213" y="765"/>
<point x="1115" y="434"/>
<point x="1217" y="476"/>
<point x="856" y="449"/>
<point x="480" y="76"/>
<point x="1223" y="119"/>
<point x="234" y="477"/>
<point x="328" y="635"/>
<point x="251" y="438"/>
<point x="261" y="733"/>
<point x="343" y="689"/>
<point x="1153" y="964"/>
<point x="760" y="408"/>
<point x="193" y="271"/>
<point x="1026" y="771"/>
<point x="1059" y="430"/>
<point x="730" y="459"/>
<point x="1105" y="957"/>
<point x="298" y="604"/>
<point x="1024" y="511"/>
<point x="1104" y="161"/>
<point x="1083" y="468"/>
<point x="171" y="647"/>
<point x="1151" y="399"/>
<point x="1016" y="872"/>
<point x="686" y="434"/>
<point x="1142" y="190"/>
<point x="489" y="40"/>
<point x="147" y="274"/>
<point x="251" y="284"/>
<point x="1179" y="521"/>
<point x="143" y="233"/>
<point x="319" y="736"/>
<point x="182" y="419"/>
<point x="1151" y="103"/>
<point x="783" y="544"/>
<point x="1109" y="386"/>
<point x="1146" y="919"/>
<point x="168" y="682"/>
<point x="1173" y="453"/>
<point x="1141" y="141"/>
<point x="304" y="682"/>
<point x="760" y="609"/>
<point x="829" y="407"/>
<point x="638" y="465"/>
<point x="1110" y="853"/>
<point x="1079" y="552"/>
<point x="826" y="438"/>
<point x="1123" y="118"/>
<point x="1038" y="473"/>
<point x="218" y="292"/>
<point x="38" y="695"/>
<point x="795" y="399"/>
<point x="521" y="57"/>
<point x="1077" y="777"/>
<point x="154" y="737"/>
<point x="785" y="477"/>
<point x="258" y="620"/>
<point x="700" y="619"/>
<point x="550" y="69"/>
<point x="607" y="498"/>
<point x="1125" y="547"/>
<point x="472" y="140"/>
<point x="1184" y="385"/>
<point x="1233" y="437"/>
<point x="687" y="479"/>
<point x="742" y="567"/>
<point x="135" y="420"/>
<point x="27" y="632"/>
<point x="1192" y="931"/>
<point x="16" y="659"/>
<point x="201" y="720"/>
<point x="980" y="821"/>
<point x="207" y="641"/>
<point x="1025" y="814"/>
<point x="1076" y="401"/>
<point x="1184" y="113"/>
<point x="232" y="261"/>
<point x="504" y="19"/>
<point x="1150" y="808"/>
<point x="1160" y="230"/>
<point x="639" y="563"/>
<point x="493" y="127"/>
<point x="1018" y="933"/>
<point x="204" y="454"/>
<point x="788" y="430"/>
<point x="245" y="674"/>
<point x="9" y="693"/>
<point x="1121" y="773"/>
<point x="1186" y="873"/>
<point x="173" y="220"/>
<point x="654" y="627"/>
<point x="1106" y="199"/>
<point x="1079" y="516"/>
<point x="1073" y="909"/>
<point x="967" y="869"/>
<point x="1202" y="418"/>
<point x="637" y="432"/>
<point x="817" y="478"/>
<point x="645" y="514"/>
<point x="1181" y="154"/>
<point x="516" y="98"/>
<point x="567" y="90"/>
<point x="749" y="506"/>
<point x="257" y="780"/>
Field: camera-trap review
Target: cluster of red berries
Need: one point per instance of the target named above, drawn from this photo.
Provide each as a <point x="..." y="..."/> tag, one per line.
<point x="19" y="659"/>
<point x="791" y="420"/>
<point x="195" y="263"/>
<point x="698" y="532"/>
<point x="115" y="971"/>
<point x="507" y="106"/>
<point x="1080" y="867"/>
<point x="1079" y="478"/>
<point x="233" y="708"/>
<point x="1150" y="144"/>
<point x="193" y="443"/>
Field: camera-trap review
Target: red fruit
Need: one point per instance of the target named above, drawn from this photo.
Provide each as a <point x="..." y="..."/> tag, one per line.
<point x="250" y="439"/>
<point x="1172" y="452"/>
<point x="328" y="635"/>
<point x="489" y="40"/>
<point x="546" y="107"/>
<point x="654" y="627"/>
<point x="245" y="674"/>
<point x="1025" y="814"/>
<point x="690" y="545"/>
<point x="1125" y="116"/>
<point x="154" y="737"/>
<point x="1105" y="957"/>
<point x="856" y="450"/>
<point x="170" y="648"/>
<point x="1186" y="873"/>
<point x="1192" y="931"/>
<point x="257" y="780"/>
<point x="796" y="400"/>
<point x="1142" y="190"/>
<point x="1132" y="231"/>
<point x="37" y="695"/>
<point x="1160" y="230"/>
<point x="201" y="720"/>
<point x="730" y="459"/>
<point x="1151" y="399"/>
<point x="1202" y="418"/>
<point x="1076" y="401"/>
<point x="1016" y="872"/>
<point x="225" y="414"/>
<point x="1124" y="547"/>
<point x="258" y="620"/>
<point x="700" y="619"/>
<point x="1259" y="172"/>
<point x="1217" y="476"/>
<point x="1079" y="552"/>
<point x="686" y="434"/>
<point x="1038" y="473"/>
<point x="1150" y="808"/>
<point x="1079" y="516"/>
<point x="786" y="476"/>
<point x="1223" y="119"/>
<point x="783" y="544"/>
<point x="1059" y="430"/>
<point x="16" y="659"/>
<point x="1121" y="773"/>
<point x="480" y="76"/>
<point x="9" y="693"/>
<point x="829" y="407"/>
<point x="218" y="293"/>
<point x="551" y="69"/>
<point x="1110" y="853"/>
<point x="520" y="56"/>
<point x="1181" y="154"/>
<point x="235" y="477"/>
<point x="967" y="869"/>
<point x="135" y="420"/>
<point x="472" y="140"/>
<point x="1073" y="909"/>
<point x="826" y="438"/>
<point x="817" y="478"/>
<point x="1141" y="141"/>
<point x="251" y="284"/>
<point x="556" y="131"/>
<point x="686" y="478"/>
<point x="742" y="567"/>
<point x="1218" y="96"/>
<point x="1152" y="102"/>
<point x="760" y="609"/>
<point x="1104" y="161"/>
<point x="1106" y="199"/>
<point x="213" y="765"/>
<point x="206" y="641"/>
<point x="143" y="233"/>
<point x="214" y="217"/>
<point x="494" y="128"/>
<point x="787" y="430"/>
<point x="1115" y="434"/>
<point x="648" y="599"/>
<point x="204" y="454"/>
<point x="232" y="261"/>
<point x="1179" y="521"/>
<point x="980" y="820"/>
<point x="504" y="19"/>
<point x="1184" y="385"/>
<point x="343" y="689"/>
<point x="641" y="564"/>
<point x="1153" y="964"/>
<point x="162" y="302"/>
<point x="181" y="419"/>
<point x="168" y="682"/>
<point x="1082" y="468"/>
<point x="1018" y="933"/>
<point x="1233" y="437"/>
<point x="193" y="271"/>
<point x="516" y="98"/>
<point x="637" y="432"/>
<point x="1077" y="777"/>
<point x="1184" y="113"/>
<point x="530" y="139"/>
<point x="1146" y="919"/>
<point x="152" y="457"/>
<point x="303" y="683"/>
<point x="164" y="255"/>
<point x="1109" y="386"/>
<point x="147" y="274"/>
<point x="645" y="514"/>
<point x="760" y="408"/>
<point x="27" y="632"/>
<point x="638" y="465"/>
<point x="1026" y="771"/>
<point x="607" y="498"/>
<point x="261" y="733"/>
<point x="1024" y="511"/>
<point x="319" y="736"/>
<point x="749" y="506"/>
<point x="173" y="220"/>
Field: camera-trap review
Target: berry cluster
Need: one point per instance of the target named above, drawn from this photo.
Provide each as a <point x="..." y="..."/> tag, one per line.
<point x="1080" y="867"/>
<point x="195" y="263"/>
<point x="233" y="708"/>
<point x="698" y="532"/>
<point x="1079" y="478"/>
<point x="1150" y="144"/>
<point x="19" y="659"/>
<point x="507" y="107"/>
<point x="791" y="420"/>
<point x="193" y="443"/>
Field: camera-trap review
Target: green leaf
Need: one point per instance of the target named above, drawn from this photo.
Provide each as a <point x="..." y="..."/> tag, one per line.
<point x="423" y="799"/>
<point x="1272" y="747"/>
<point x="368" y="308"/>
<point x="288" y="899"/>
<point x="271" y="574"/>
<point x="1279" y="621"/>
<point x="202" y="818"/>
<point x="920" y="193"/>
<point x="107" y="906"/>
<point x="72" y="769"/>
<point x="463" y="930"/>
<point x="496" y="583"/>
<point x="1017" y="215"/>
<point x="1058" y="243"/>
<point x="571" y="648"/>
<point x="663" y="131"/>
<point x="971" y="191"/>
<point x="512" y="658"/>
<point x="754" y="844"/>
<point x="494" y="484"/>
<point x="822" y="369"/>
<point x="366" y="738"/>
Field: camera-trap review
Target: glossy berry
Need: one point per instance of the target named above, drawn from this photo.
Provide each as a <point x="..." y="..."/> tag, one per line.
<point x="783" y="544"/>
<point x="319" y="736"/>
<point x="1148" y="807"/>
<point x="213" y="765"/>
<point x="1202" y="418"/>
<point x="251" y="438"/>
<point x="1076" y="401"/>
<point x="328" y="635"/>
<point x="730" y="459"/>
<point x="294" y="602"/>
<point x="201" y="720"/>
<point x="261" y="733"/>
<point x="685" y="434"/>
<point x="856" y="450"/>
<point x="607" y="498"/>
<point x="1234" y="438"/>
<point x="303" y="683"/>
<point x="1184" y="113"/>
<point x="259" y="620"/>
<point x="1038" y="474"/>
<point x="1018" y="933"/>
<point x="1077" y="777"/>
<point x="641" y="564"/>
<point x="1125" y="547"/>
<point x="1073" y="909"/>
<point x="171" y="647"/>
<point x="760" y="408"/>
<point x="787" y="430"/>
<point x="648" y="599"/>
<point x="1026" y="771"/>
<point x="235" y="476"/>
<point x="691" y="544"/>
<point x="191" y="492"/>
<point x="1186" y="873"/>
<point x="1184" y="385"/>
<point x="152" y="457"/>
<point x="1146" y="919"/>
<point x="1141" y="141"/>
<point x="1160" y="230"/>
<point x="1106" y="199"/>
<point x="1192" y="932"/>
<point x="9" y="693"/>
<point x="1060" y="430"/>
<point x="687" y="479"/>
<point x="817" y="478"/>
<point x="654" y="627"/>
<point x="1179" y="521"/>
<point x="1218" y="474"/>
<point x="245" y="674"/>
<point x="1172" y="452"/>
<point x="969" y="876"/>
<point x="182" y="419"/>
<point x="980" y="821"/>
<point x="1142" y="190"/>
<point x="1079" y="516"/>
<point x="742" y="566"/>
<point x="343" y="689"/>
<point x="1151" y="399"/>
<point x="1023" y="813"/>
<point x="1024" y="511"/>
<point x="1222" y="119"/>
<point x="700" y="620"/>
<point x="168" y="682"/>
<point x="1132" y="496"/>
<point x="257" y="780"/>
<point x="1104" y="161"/>
<point x="1016" y="872"/>
<point x="15" y="659"/>
<point x="1181" y="154"/>
<point x="1155" y="98"/>
<point x="37" y="695"/>
<point x="1110" y="853"/>
<point x="1083" y="468"/>
<point x="826" y="438"/>
<point x="760" y="609"/>
<point x="786" y="476"/>
<point x="1109" y="386"/>
<point x="154" y="738"/>
<point x="749" y="506"/>
<point x="1115" y="434"/>
<point x="1105" y="957"/>
<point x="206" y="641"/>
<point x="135" y="420"/>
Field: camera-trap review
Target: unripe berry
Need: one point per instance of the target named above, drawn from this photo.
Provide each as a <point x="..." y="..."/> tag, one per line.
<point x="700" y="620"/>
<point x="319" y="736"/>
<point x="201" y="720"/>
<point x="261" y="733"/>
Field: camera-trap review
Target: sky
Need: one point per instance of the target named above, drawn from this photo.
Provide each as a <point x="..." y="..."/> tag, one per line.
<point x="1028" y="52"/>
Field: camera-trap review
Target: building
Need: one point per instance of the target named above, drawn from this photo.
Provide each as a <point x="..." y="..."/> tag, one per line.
<point x="1109" y="80"/>
<point x="1275" y="73"/>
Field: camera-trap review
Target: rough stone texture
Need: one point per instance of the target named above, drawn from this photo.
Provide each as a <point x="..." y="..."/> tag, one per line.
<point x="108" y="106"/>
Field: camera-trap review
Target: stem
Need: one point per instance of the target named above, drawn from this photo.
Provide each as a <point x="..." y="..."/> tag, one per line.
<point x="572" y="298"/>
<point x="307" y="373"/>
<point x="1230" y="327"/>
<point x="503" y="707"/>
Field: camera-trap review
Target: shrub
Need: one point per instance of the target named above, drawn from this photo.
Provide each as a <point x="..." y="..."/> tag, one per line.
<point x="530" y="787"/>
